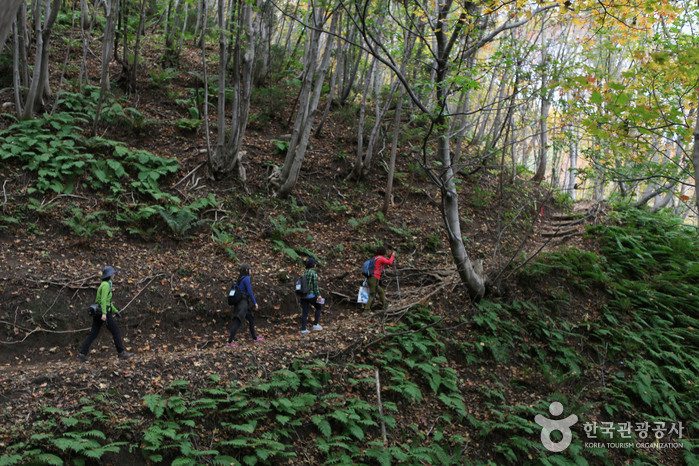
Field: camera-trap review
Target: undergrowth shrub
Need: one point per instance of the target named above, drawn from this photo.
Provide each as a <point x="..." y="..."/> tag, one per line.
<point x="646" y="277"/>
<point x="54" y="149"/>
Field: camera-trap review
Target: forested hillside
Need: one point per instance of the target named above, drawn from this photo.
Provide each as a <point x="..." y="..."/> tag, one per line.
<point x="531" y="165"/>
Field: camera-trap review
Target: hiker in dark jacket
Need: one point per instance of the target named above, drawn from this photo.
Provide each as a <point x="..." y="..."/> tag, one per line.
<point x="109" y="311"/>
<point x="243" y="310"/>
<point x="374" y="281"/>
<point x="313" y="298"/>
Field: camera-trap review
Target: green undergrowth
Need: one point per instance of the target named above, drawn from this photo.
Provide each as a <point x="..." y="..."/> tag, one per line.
<point x="608" y="334"/>
<point x="312" y="410"/>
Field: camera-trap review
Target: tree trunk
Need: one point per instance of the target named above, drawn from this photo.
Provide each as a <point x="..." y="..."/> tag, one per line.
<point x="38" y="86"/>
<point x="571" y="173"/>
<point x="331" y="93"/>
<point x="368" y="81"/>
<point x="86" y="23"/>
<point x="226" y="158"/>
<point x="16" y="78"/>
<point x="310" y="95"/>
<point x="450" y="198"/>
<point x="543" y="127"/>
<point x="107" y="45"/>
<point x="695" y="159"/>
<point x="387" y="200"/>
<point x="376" y="130"/>
<point x="349" y="74"/>
<point x="222" y="60"/>
<point x="137" y="47"/>
<point x="8" y="13"/>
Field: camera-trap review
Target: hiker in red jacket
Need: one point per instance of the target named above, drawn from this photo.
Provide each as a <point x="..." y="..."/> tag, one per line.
<point x="374" y="281"/>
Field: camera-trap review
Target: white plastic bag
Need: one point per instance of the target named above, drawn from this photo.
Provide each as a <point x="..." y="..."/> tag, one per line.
<point x="363" y="295"/>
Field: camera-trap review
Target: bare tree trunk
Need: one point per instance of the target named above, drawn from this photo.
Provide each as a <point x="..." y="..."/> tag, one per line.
<point x="450" y="198"/>
<point x="38" y="86"/>
<point x="331" y="92"/>
<point x="310" y="95"/>
<point x="571" y="173"/>
<point x="171" y="54"/>
<point x="368" y="81"/>
<point x="225" y="161"/>
<point x="16" y="78"/>
<point x="543" y="126"/>
<point x="111" y="11"/>
<point x="8" y="13"/>
<point x="221" y="138"/>
<point x="388" y="197"/>
<point x="137" y="48"/>
<point x="86" y="23"/>
<point x="482" y="120"/>
<point x="498" y="121"/>
<point x="200" y="15"/>
<point x="695" y="159"/>
<point x="349" y="73"/>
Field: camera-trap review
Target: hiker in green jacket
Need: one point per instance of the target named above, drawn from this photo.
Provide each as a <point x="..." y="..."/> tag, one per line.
<point x="109" y="311"/>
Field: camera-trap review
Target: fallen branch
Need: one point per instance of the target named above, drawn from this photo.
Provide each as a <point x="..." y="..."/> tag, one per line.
<point x="188" y="174"/>
<point x="67" y="284"/>
<point x="35" y="331"/>
<point x="153" y="277"/>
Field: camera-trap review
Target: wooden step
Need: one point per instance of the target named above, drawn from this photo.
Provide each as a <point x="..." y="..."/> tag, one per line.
<point x="560" y="233"/>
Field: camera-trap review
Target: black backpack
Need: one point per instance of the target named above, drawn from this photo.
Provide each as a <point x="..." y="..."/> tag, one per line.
<point x="94" y="310"/>
<point x="302" y="286"/>
<point x="236" y="294"/>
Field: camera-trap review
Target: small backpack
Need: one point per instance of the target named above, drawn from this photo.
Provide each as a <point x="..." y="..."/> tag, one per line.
<point x="368" y="268"/>
<point x="302" y="286"/>
<point x="236" y="294"/>
<point x="94" y="310"/>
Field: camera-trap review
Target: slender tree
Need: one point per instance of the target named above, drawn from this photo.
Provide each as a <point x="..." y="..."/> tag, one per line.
<point x="39" y="81"/>
<point x="111" y="12"/>
<point x="315" y="68"/>
<point x="227" y="156"/>
<point x="8" y="13"/>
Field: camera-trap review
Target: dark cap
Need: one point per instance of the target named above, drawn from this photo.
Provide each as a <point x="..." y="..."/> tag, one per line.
<point x="107" y="272"/>
<point x="310" y="262"/>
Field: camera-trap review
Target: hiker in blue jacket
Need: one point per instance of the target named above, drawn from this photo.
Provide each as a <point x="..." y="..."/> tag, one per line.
<point x="313" y="298"/>
<point x="109" y="311"/>
<point x="243" y="310"/>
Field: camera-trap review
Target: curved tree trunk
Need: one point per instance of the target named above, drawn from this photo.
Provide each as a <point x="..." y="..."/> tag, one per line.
<point x="450" y="198"/>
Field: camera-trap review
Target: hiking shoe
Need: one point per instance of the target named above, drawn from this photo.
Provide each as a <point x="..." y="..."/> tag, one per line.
<point x="305" y="332"/>
<point x="231" y="345"/>
<point x="317" y="328"/>
<point x="258" y="339"/>
<point x="83" y="357"/>
<point x="125" y="355"/>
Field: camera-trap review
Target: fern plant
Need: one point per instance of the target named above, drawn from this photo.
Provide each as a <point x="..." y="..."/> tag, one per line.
<point x="180" y="220"/>
<point x="86" y="225"/>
